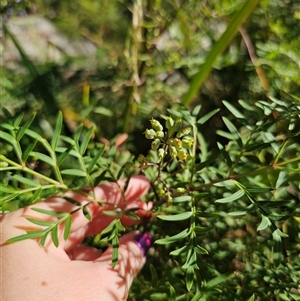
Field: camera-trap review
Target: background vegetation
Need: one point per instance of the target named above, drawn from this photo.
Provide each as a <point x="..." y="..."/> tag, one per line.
<point x="226" y="194"/>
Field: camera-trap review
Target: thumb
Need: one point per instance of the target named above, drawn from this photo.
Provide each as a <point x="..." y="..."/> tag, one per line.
<point x="133" y="248"/>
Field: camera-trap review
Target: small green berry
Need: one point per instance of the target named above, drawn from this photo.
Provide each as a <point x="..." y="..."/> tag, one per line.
<point x="181" y="190"/>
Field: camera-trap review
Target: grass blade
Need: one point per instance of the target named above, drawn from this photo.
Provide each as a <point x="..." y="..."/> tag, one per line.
<point x="233" y="27"/>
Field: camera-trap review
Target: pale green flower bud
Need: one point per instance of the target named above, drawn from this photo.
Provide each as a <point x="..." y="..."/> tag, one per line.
<point x="173" y="152"/>
<point x="176" y="142"/>
<point x="161" y="153"/>
<point x="187" y="142"/>
<point x="155" y="144"/>
<point x="169" y="122"/>
<point x="149" y="134"/>
<point x="183" y="132"/>
<point x="156" y="125"/>
<point x="181" y="190"/>
<point x="159" y="134"/>
<point x="182" y="154"/>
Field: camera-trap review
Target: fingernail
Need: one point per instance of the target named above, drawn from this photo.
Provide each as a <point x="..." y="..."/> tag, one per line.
<point x="144" y="241"/>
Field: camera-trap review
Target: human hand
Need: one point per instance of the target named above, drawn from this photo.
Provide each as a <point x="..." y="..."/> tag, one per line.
<point x="73" y="271"/>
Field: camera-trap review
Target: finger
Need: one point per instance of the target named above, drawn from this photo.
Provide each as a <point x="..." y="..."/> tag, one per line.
<point x="133" y="248"/>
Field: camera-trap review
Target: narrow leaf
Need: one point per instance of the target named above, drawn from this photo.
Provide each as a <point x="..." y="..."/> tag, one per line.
<point x="49" y="212"/>
<point x="218" y="280"/>
<point x="74" y="172"/>
<point x="235" y="196"/>
<point x="233" y="110"/>
<point x="207" y="116"/>
<point x="179" y="251"/>
<point x="68" y="225"/>
<point x="181" y="199"/>
<point x="174" y="238"/>
<point x="115" y="252"/>
<point x="40" y="222"/>
<point x="176" y="217"/>
<point x="57" y="131"/>
<point x="26" y="181"/>
<point x="277" y="251"/>
<point x="172" y="294"/>
<point x="232" y="129"/>
<point x="224" y="154"/>
<point x="43" y="158"/>
<point x="28" y="150"/>
<point x="189" y="278"/>
<point x="95" y="159"/>
<point x="86" y="140"/>
<point x="54" y="236"/>
<point x="265" y="222"/>
<point x="24" y="127"/>
<point x="154" y="277"/>
<point x="28" y="235"/>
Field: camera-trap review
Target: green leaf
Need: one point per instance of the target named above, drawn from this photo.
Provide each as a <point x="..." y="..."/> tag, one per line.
<point x="176" y="217"/>
<point x="109" y="227"/>
<point x="172" y="294"/>
<point x="49" y="212"/>
<point x="154" y="277"/>
<point x="24" y="127"/>
<point x="95" y="159"/>
<point x="224" y="154"/>
<point x="179" y="251"/>
<point x="115" y="252"/>
<point x="64" y="155"/>
<point x="74" y="172"/>
<point x="237" y="213"/>
<point x="26" y="181"/>
<point x="236" y="21"/>
<point x="233" y="110"/>
<point x="189" y="278"/>
<point x="277" y="251"/>
<point x="67" y="228"/>
<point x="218" y="280"/>
<point x="232" y="129"/>
<point x="226" y="183"/>
<point x="181" y="199"/>
<point x="207" y="116"/>
<point x="256" y="146"/>
<point x="111" y="212"/>
<point x="86" y="213"/>
<point x="28" y="151"/>
<point x="43" y="158"/>
<point x="57" y="131"/>
<point x="173" y="238"/>
<point x="252" y="298"/>
<point x="200" y="250"/>
<point x="78" y="134"/>
<point x="265" y="222"/>
<point x="40" y="222"/>
<point x="86" y="140"/>
<point x="28" y="235"/>
<point x="282" y="177"/>
<point x="54" y="235"/>
<point x="191" y="259"/>
<point x="235" y="196"/>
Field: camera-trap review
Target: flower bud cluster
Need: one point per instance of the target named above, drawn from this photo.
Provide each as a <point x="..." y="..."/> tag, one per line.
<point x="176" y="141"/>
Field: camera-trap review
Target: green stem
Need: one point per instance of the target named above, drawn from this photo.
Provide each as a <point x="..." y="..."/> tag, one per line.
<point x="34" y="173"/>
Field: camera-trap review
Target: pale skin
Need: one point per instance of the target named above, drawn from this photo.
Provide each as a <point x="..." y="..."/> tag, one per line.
<point x="72" y="271"/>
